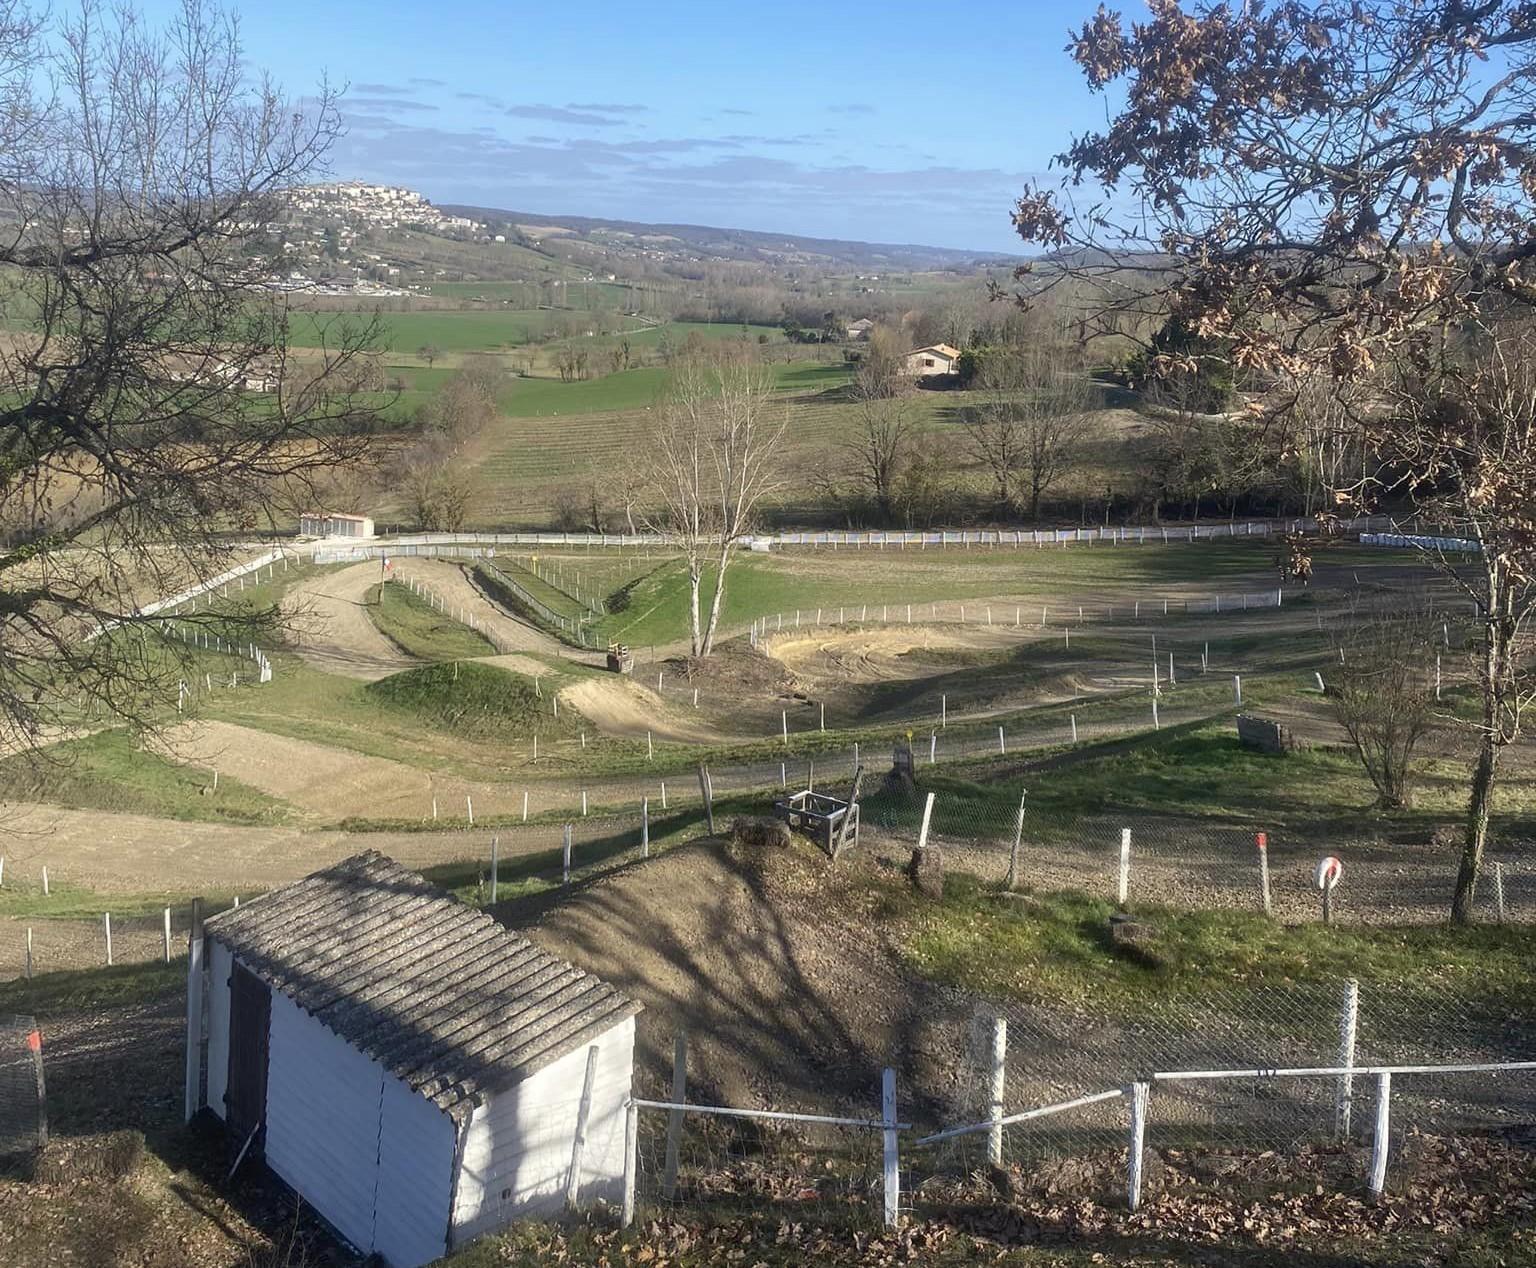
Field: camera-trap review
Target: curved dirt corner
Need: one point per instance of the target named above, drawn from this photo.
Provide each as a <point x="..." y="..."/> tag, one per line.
<point x="617" y="705"/>
<point x="773" y="963"/>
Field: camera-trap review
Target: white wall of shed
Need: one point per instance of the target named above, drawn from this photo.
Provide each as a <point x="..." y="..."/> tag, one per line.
<point x="220" y="968"/>
<point x="323" y="1119"/>
<point x="417" y="1143"/>
<point x="518" y="1147"/>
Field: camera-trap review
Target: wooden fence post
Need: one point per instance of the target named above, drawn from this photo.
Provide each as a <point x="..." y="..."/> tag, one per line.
<point x="193" y="1088"/>
<point x="891" y="1173"/>
<point x="848" y="817"/>
<point x="631" y="1159"/>
<point x="1349" y="1020"/>
<point x="999" y="1090"/>
<point x="1380" y="1139"/>
<point x="675" y="1117"/>
<point x="1138" y="1093"/>
<point x="579" y="1142"/>
<point x="1018" y="838"/>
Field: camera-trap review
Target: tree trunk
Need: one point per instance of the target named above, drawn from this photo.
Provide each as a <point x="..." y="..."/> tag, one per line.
<point x="714" y="607"/>
<point x="1478" y="809"/>
<point x="695" y="641"/>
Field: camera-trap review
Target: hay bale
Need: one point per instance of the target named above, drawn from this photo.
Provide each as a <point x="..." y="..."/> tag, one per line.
<point x="759" y="832"/>
<point x="926" y="871"/>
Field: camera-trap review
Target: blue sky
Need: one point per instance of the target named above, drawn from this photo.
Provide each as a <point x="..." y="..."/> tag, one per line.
<point x="895" y="121"/>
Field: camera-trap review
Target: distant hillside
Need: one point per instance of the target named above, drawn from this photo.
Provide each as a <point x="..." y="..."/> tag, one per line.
<point x="744" y="244"/>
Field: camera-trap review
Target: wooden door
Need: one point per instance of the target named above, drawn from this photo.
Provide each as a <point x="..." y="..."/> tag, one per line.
<point x="250" y="1011"/>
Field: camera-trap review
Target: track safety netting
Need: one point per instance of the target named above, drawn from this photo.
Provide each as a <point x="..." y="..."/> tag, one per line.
<point x="23" y="1102"/>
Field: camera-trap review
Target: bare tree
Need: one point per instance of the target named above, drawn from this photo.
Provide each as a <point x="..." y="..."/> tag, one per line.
<point x="435" y="471"/>
<point x="150" y="411"/>
<point x="1029" y="426"/>
<point x="715" y="450"/>
<point x="1382" y="692"/>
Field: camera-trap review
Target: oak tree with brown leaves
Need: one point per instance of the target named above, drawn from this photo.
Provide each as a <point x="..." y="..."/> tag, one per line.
<point x="1337" y="194"/>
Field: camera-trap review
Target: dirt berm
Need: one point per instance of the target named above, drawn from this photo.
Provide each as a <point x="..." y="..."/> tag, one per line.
<point x="786" y="989"/>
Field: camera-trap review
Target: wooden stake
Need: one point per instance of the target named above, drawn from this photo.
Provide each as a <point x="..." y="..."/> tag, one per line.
<point x="675" y="1117"/>
<point x="579" y="1141"/>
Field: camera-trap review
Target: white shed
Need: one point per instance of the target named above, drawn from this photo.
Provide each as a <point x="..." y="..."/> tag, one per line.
<point x="410" y="1066"/>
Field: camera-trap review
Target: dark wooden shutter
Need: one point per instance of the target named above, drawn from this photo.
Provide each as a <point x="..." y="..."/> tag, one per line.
<point x="250" y="1011"/>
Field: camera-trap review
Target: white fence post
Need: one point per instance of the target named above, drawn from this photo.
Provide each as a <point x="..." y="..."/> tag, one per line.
<point x="999" y="1089"/>
<point x="1349" y="1021"/>
<point x="106" y="928"/>
<point x="1237" y="688"/>
<point x="1381" y="1138"/>
<point x="565" y="851"/>
<point x="631" y="1158"/>
<point x="645" y="827"/>
<point x="922" y="832"/>
<point x="495" y="864"/>
<point x="1261" y="839"/>
<point x="892" y="1169"/>
<point x="193" y="1089"/>
<point x="1498" y="891"/>
<point x="1125" y="864"/>
<point x="1018" y="839"/>
<point x="167" y="935"/>
<point x="1138" y="1093"/>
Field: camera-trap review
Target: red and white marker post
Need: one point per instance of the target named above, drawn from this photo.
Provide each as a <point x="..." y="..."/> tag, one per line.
<point x="1329" y="872"/>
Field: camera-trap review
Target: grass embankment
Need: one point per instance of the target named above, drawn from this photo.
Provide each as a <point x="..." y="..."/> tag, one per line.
<point x="419" y="629"/>
<point x="110" y="771"/>
<point x="477" y="702"/>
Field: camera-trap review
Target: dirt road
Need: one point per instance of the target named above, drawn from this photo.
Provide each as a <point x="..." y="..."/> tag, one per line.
<point x="335" y="632"/>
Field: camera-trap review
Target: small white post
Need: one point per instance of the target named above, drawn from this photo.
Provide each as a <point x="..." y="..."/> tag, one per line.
<point x="645" y="827"/>
<point x="1125" y="864"/>
<point x="1437" y="675"/>
<point x="1002" y="745"/>
<point x="1155" y="725"/>
<point x="167" y="933"/>
<point x="565" y="857"/>
<point x="784" y="725"/>
<point x="45" y="881"/>
<point x="1261" y="841"/>
<point x="1171" y="681"/>
<point x="1138" y="1094"/>
<point x="1074" y="728"/>
<point x="1498" y="891"/>
<point x="664" y="789"/>
<point x="1237" y="688"/>
<point x="1380" y="1139"/>
<point x="891" y="1177"/>
<point x="1349" y="1020"/>
<point x="29" y="955"/>
<point x="583" y="803"/>
<point x="434" y="810"/>
<point x="783" y="775"/>
<point x="525" y="806"/>
<point x="106" y="928"/>
<point x="943" y="711"/>
<point x="631" y="1158"/>
<point x="469" y="809"/>
<point x="933" y="748"/>
<point x="650" y="748"/>
<point x="999" y="1090"/>
<point x="922" y="832"/>
<point x="823" y="723"/>
<point x="1321" y="688"/>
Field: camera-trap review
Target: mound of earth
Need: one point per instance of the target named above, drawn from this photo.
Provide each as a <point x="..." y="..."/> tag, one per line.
<point x="475" y="700"/>
<point x="884" y="653"/>
<point x="780" y="978"/>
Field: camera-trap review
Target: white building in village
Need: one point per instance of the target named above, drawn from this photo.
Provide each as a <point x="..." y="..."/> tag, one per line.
<point x="412" y="1068"/>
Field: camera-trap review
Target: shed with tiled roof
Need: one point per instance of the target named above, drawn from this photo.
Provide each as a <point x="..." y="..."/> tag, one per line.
<point x="413" y="1068"/>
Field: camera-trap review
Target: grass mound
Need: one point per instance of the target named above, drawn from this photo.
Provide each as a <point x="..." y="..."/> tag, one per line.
<point x="418" y="629"/>
<point x="476" y="701"/>
<point x="109" y="771"/>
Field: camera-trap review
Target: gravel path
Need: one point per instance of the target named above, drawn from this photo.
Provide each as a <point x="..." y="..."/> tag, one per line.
<point x="337" y="633"/>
